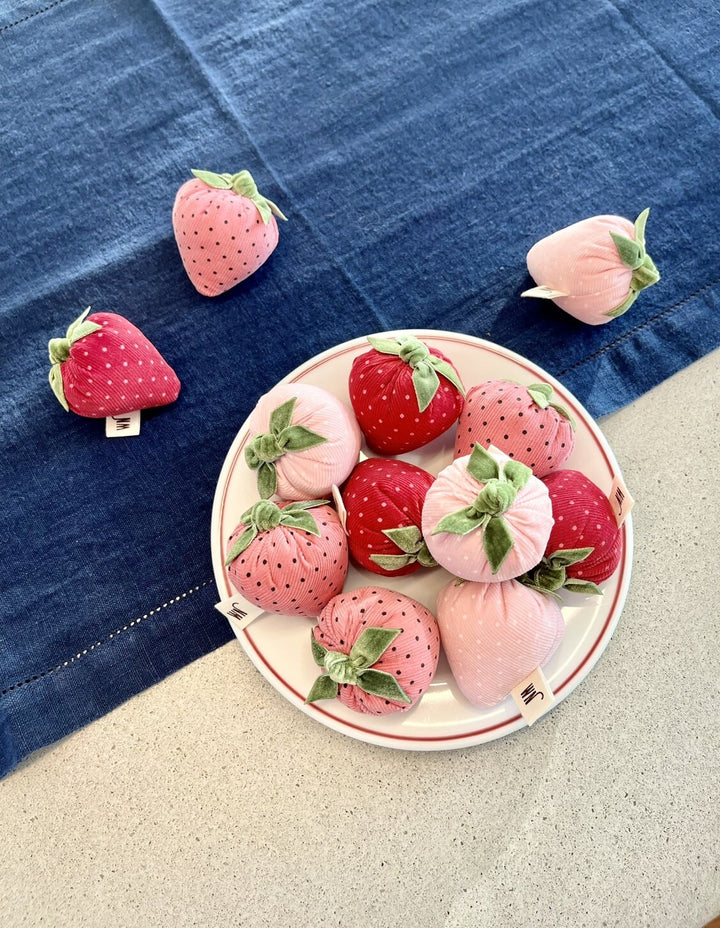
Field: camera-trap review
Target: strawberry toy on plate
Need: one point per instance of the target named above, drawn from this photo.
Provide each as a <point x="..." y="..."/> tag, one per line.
<point x="105" y="366"/>
<point x="224" y="228"/>
<point x="378" y="649"/>
<point x="383" y="499"/>
<point x="526" y="423"/>
<point x="404" y="394"/>
<point x="290" y="558"/>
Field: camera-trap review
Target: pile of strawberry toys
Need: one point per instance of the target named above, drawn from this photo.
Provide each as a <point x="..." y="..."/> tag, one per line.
<point x="506" y="518"/>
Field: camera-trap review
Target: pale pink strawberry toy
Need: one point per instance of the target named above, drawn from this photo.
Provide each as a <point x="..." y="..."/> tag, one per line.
<point x="303" y="441"/>
<point x="105" y="366"/>
<point x="487" y="518"/>
<point x="224" y="229"/>
<point x="593" y="269"/>
<point x="378" y="649"/>
<point x="290" y="558"/>
<point x="495" y="634"/>
<point x="383" y="500"/>
<point x="404" y="394"/>
<point x="526" y="423"/>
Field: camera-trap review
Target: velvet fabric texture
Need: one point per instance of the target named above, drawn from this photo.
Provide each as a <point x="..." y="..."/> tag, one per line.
<point x="418" y="150"/>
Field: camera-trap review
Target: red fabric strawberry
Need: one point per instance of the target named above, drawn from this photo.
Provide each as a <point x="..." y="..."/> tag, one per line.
<point x="379" y="651"/>
<point x="404" y="394"/>
<point x="288" y="558"/>
<point x="105" y="366"/>
<point x="583" y="519"/>
<point x="224" y="229"/>
<point x="523" y="422"/>
<point x="384" y="500"/>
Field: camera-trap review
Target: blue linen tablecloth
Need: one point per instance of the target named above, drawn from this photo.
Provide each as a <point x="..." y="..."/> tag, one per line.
<point x="418" y="149"/>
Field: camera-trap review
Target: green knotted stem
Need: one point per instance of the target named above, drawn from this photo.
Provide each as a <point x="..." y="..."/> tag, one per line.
<point x="59" y="352"/>
<point x="550" y="574"/>
<point x="243" y="185"/>
<point x="355" y="668"/>
<point x="633" y="255"/>
<point x="426" y="366"/>
<point x="265" y="515"/>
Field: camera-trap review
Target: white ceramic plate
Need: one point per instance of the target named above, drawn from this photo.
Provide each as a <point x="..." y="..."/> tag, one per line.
<point x="279" y="646"/>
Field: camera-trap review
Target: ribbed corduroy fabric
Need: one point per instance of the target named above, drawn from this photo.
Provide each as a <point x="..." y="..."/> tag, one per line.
<point x="412" y="657"/>
<point x="495" y="634"/>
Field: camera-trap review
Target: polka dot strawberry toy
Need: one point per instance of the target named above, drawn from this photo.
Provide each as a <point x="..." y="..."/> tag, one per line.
<point x="404" y="394"/>
<point x="225" y="229"/>
<point x="105" y="366"/>
<point x="383" y="500"/>
<point x="288" y="558"/>
<point x="378" y="650"/>
<point x="486" y="518"/>
<point x="526" y="423"/>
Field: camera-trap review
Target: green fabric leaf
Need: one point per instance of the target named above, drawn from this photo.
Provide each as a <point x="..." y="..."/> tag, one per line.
<point x="56" y="382"/>
<point x="221" y="181"/>
<point x="322" y="688"/>
<point x="302" y="521"/>
<point x="583" y="586"/>
<point x="299" y="438"/>
<point x="407" y="537"/>
<point x="448" y="372"/>
<point x="565" y="557"/>
<point x="482" y="465"/>
<point x="266" y="480"/>
<point x="425" y="559"/>
<point x="497" y="542"/>
<point x="631" y="253"/>
<point x="241" y="544"/>
<point x="371" y="645"/>
<point x="393" y="561"/>
<point x="426" y="382"/>
<point x="540" y="393"/>
<point x="379" y="683"/>
<point x="517" y="473"/>
<point x="281" y="416"/>
<point x="461" y="522"/>
<point x="640" y="223"/>
<point x="318" y="650"/>
<point x="384" y="345"/>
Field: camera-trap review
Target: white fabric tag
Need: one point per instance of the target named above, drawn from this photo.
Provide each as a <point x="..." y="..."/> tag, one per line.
<point x="238" y="611"/>
<point x="620" y="501"/>
<point x="340" y="507"/>
<point x="544" y="293"/>
<point x="123" y="425"/>
<point x="533" y="696"/>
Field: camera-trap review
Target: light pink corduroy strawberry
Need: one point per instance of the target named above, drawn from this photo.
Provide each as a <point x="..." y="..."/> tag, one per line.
<point x="593" y="269"/>
<point x="523" y="422"/>
<point x="378" y="649"/>
<point x="224" y="228"/>
<point x="495" y="634"/>
<point x="288" y="558"/>
<point x="303" y="440"/>
<point x="105" y="366"/>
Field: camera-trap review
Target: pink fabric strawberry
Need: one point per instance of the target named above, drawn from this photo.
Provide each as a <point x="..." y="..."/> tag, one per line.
<point x="523" y="422"/>
<point x="583" y="519"/>
<point x="593" y="269"/>
<point x="383" y="499"/>
<point x="224" y="229"/>
<point x="290" y="558"/>
<point x="303" y="440"/>
<point x="105" y="366"/>
<point x="495" y="634"/>
<point x="485" y="518"/>
<point x="404" y="394"/>
<point x="378" y="649"/>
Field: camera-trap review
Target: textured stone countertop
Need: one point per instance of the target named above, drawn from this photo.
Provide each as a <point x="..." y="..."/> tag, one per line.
<point x="210" y="801"/>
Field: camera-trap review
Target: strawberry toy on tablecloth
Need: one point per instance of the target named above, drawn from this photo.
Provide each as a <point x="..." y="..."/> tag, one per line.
<point x="487" y="517"/>
<point x="495" y="634"/>
<point x="105" y="366"/>
<point x="224" y="228"/>
<point x="378" y="649"/>
<point x="404" y="394"/>
<point x="383" y="499"/>
<point x="288" y="558"/>
<point x="523" y="422"/>
<point x="303" y="441"/>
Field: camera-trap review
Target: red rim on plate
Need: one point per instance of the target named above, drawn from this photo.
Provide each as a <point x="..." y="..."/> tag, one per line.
<point x="458" y="724"/>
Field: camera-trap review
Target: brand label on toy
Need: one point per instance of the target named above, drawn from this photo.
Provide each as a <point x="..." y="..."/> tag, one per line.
<point x="123" y="425"/>
<point x="620" y="501"/>
<point x="238" y="611"/>
<point x="533" y="696"/>
<point x="544" y="293"/>
<point x="340" y="507"/>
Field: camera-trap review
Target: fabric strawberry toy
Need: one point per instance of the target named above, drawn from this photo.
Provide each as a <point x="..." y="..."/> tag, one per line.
<point x="105" y="366"/>
<point x="583" y="519"/>
<point x="485" y="518"/>
<point x="290" y="558"/>
<point x="593" y="269"/>
<point x="378" y="649"/>
<point x="303" y="440"/>
<point x="224" y="229"/>
<point x="404" y="394"/>
<point x="383" y="499"/>
<point x="495" y="634"/>
<point x="523" y="422"/>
